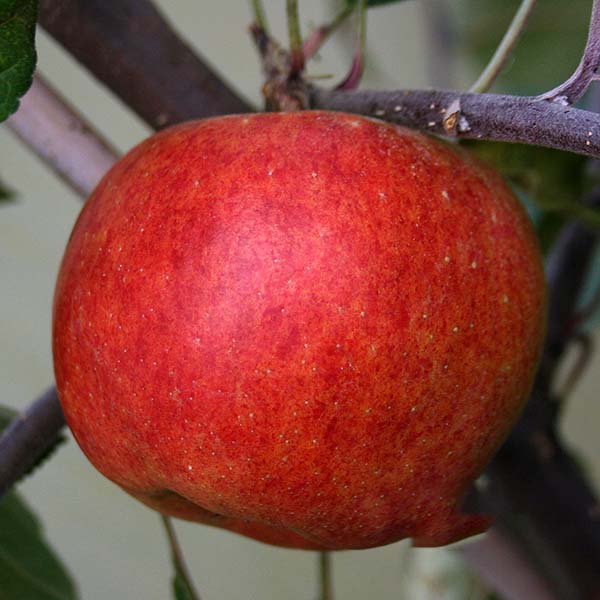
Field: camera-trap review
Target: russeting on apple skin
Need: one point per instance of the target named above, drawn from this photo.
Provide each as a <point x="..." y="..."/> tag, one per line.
<point x="313" y="328"/>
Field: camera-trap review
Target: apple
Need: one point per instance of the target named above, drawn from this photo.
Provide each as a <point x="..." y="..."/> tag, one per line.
<point x="314" y="328"/>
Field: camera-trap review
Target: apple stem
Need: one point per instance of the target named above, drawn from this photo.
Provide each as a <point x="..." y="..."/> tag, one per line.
<point x="505" y="48"/>
<point x="260" y="17"/>
<point x="325" y="579"/>
<point x="354" y="76"/>
<point x="178" y="560"/>
<point x="296" y="50"/>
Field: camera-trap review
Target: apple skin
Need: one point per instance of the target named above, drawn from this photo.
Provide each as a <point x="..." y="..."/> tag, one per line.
<point x="313" y="328"/>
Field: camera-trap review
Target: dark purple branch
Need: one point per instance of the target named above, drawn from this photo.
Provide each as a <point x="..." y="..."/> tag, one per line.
<point x="28" y="437"/>
<point x="474" y="116"/>
<point x="545" y="504"/>
<point x="130" y="47"/>
<point x="577" y="245"/>
<point x="506" y="568"/>
<point x="573" y="89"/>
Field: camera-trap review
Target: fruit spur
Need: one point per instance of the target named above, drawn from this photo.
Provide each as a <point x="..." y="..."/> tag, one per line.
<point x="314" y="329"/>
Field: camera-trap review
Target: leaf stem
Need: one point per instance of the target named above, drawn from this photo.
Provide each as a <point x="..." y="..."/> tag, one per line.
<point x="296" y="50"/>
<point x="177" y="556"/>
<point x="505" y="48"/>
<point x="354" y="76"/>
<point x="259" y="15"/>
<point x="325" y="581"/>
<point x="320" y="35"/>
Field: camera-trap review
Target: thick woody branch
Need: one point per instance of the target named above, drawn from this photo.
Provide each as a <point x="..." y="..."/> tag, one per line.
<point x="474" y="116"/>
<point x="131" y="48"/>
<point x="53" y="130"/>
<point x="547" y="507"/>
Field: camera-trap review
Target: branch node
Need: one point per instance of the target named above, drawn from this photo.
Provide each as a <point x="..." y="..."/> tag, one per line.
<point x="451" y="120"/>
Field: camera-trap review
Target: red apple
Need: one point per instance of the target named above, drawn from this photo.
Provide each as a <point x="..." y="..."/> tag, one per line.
<point x="312" y="328"/>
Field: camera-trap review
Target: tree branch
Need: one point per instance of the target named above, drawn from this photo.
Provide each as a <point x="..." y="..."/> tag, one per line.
<point x="53" y="130"/>
<point x="474" y="116"/>
<point x="567" y="269"/>
<point x="532" y="474"/>
<point x="494" y="556"/>
<point x="69" y="145"/>
<point x="573" y="89"/>
<point x="28" y="437"/>
<point x="130" y="47"/>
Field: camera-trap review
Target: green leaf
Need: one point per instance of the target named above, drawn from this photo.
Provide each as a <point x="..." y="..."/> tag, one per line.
<point x="29" y="570"/>
<point x="181" y="589"/>
<point x="17" y="52"/>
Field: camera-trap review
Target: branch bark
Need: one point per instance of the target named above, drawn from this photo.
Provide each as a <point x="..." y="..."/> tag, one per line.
<point x="28" y="437"/>
<point x="521" y="119"/>
<point x="53" y="130"/>
<point x="132" y="49"/>
<point x="80" y="156"/>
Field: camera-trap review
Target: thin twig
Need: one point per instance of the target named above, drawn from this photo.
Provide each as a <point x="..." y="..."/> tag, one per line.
<point x="354" y="76"/>
<point x="178" y="559"/>
<point x="325" y="579"/>
<point x="61" y="138"/>
<point x="585" y="349"/>
<point x="259" y="15"/>
<point x="505" y="48"/>
<point x="567" y="268"/>
<point x="320" y="35"/>
<point x="573" y="89"/>
<point x="28" y="437"/>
